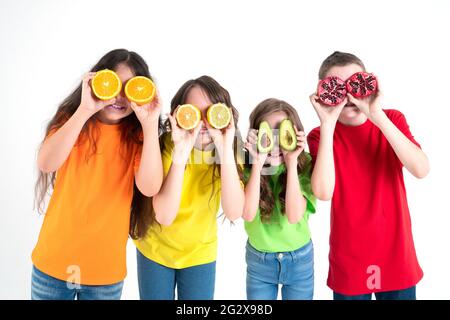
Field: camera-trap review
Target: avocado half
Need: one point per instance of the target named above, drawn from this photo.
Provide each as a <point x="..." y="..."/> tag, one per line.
<point x="288" y="138"/>
<point x="265" y="138"/>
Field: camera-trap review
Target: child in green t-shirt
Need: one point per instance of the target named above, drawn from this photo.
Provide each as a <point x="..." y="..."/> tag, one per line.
<point x="278" y="201"/>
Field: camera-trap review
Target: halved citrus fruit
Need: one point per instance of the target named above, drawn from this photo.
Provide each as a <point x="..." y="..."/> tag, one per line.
<point x="106" y="84"/>
<point x="140" y="90"/>
<point x="218" y="115"/>
<point x="188" y="116"/>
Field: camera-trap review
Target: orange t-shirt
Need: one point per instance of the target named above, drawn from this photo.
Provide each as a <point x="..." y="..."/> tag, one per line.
<point x="85" y="228"/>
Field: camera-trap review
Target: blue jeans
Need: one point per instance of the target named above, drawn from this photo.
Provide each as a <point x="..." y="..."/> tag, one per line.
<point x="45" y="287"/>
<point x="293" y="270"/>
<point x="157" y="282"/>
<point x="405" y="294"/>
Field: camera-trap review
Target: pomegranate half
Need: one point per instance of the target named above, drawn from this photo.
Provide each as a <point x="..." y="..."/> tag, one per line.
<point x="362" y="84"/>
<point x="331" y="91"/>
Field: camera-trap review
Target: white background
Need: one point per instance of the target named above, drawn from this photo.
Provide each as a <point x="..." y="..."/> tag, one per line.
<point x="256" y="50"/>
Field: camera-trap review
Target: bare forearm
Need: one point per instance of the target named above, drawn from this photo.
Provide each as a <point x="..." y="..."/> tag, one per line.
<point x="323" y="176"/>
<point x="55" y="149"/>
<point x="294" y="201"/>
<point x="232" y="194"/>
<point x="167" y="202"/>
<point x="150" y="173"/>
<point x="252" y="194"/>
<point x="411" y="156"/>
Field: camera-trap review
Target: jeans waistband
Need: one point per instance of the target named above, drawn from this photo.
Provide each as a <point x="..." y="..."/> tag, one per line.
<point x="293" y="255"/>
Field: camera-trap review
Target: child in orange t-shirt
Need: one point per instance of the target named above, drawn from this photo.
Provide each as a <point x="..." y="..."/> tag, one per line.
<point x="103" y="160"/>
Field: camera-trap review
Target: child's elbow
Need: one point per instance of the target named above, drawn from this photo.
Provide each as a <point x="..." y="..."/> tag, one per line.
<point x="421" y="170"/>
<point x="162" y="215"/>
<point x="247" y="216"/>
<point x="293" y="218"/>
<point x="232" y="216"/>
<point x="44" y="167"/>
<point x="324" y="197"/>
<point x="164" y="220"/>
<point x="46" y="170"/>
<point x="321" y="194"/>
<point x="149" y="192"/>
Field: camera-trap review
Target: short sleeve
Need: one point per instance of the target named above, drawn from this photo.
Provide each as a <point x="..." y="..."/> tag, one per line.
<point x="313" y="139"/>
<point x="399" y="120"/>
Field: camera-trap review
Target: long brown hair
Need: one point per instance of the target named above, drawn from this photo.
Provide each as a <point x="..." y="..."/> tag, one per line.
<point x="131" y="134"/>
<point x="216" y="94"/>
<point x="262" y="110"/>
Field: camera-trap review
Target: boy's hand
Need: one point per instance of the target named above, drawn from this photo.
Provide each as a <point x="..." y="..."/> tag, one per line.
<point x="371" y="105"/>
<point x="327" y="114"/>
<point x="291" y="157"/>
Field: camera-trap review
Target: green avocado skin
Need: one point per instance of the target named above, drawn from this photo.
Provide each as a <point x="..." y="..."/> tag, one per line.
<point x="288" y="138"/>
<point x="264" y="129"/>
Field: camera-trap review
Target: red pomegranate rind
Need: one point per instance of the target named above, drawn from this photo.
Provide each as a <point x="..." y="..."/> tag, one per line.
<point x="362" y="84"/>
<point x="331" y="91"/>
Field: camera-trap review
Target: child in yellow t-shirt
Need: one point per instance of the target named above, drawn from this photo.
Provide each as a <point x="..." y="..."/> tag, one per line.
<point x="200" y="170"/>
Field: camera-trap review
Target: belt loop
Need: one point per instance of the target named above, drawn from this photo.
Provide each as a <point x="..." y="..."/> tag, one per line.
<point x="294" y="256"/>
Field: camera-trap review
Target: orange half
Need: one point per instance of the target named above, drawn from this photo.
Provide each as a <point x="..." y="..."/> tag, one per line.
<point x="188" y="116"/>
<point x="106" y="84"/>
<point x="140" y="90"/>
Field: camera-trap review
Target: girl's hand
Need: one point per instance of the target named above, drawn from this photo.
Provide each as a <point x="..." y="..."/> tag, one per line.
<point x="327" y="114"/>
<point x="371" y="105"/>
<point x="148" y="114"/>
<point x="258" y="159"/>
<point x="89" y="103"/>
<point x="183" y="140"/>
<point x="222" y="138"/>
<point x="291" y="157"/>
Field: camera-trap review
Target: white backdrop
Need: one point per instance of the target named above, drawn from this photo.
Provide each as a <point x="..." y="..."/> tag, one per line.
<point x="256" y="50"/>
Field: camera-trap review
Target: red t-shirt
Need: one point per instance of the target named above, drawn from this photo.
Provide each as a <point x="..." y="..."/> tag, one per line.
<point x="370" y="222"/>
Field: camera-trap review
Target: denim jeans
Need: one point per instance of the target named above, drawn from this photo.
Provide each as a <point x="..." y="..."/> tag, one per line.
<point x="45" y="287"/>
<point x="294" y="271"/>
<point x="405" y="294"/>
<point x="158" y="282"/>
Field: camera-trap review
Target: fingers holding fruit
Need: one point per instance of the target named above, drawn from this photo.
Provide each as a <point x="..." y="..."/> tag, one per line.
<point x="89" y="101"/>
<point x="324" y="112"/>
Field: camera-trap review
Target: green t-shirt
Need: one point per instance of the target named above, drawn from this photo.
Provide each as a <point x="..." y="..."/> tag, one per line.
<point x="278" y="235"/>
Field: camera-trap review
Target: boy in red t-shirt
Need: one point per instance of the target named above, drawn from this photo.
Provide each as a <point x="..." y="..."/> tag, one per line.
<point x="359" y="151"/>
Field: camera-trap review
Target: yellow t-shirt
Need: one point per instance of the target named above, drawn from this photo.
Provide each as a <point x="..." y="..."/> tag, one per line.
<point x="85" y="228"/>
<point x="192" y="237"/>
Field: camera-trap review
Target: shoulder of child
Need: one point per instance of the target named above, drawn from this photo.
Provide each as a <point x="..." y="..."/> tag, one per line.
<point x="394" y="115"/>
<point x="314" y="133"/>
